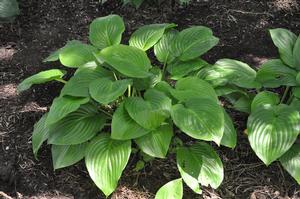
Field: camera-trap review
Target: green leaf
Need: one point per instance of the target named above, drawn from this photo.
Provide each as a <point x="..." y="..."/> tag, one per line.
<point x="272" y="130"/>
<point x="54" y="56"/>
<point x="296" y="92"/>
<point x="291" y="162"/>
<point x="274" y="73"/>
<point x="147" y="36"/>
<point x="229" y="71"/>
<point x="41" y="77"/>
<point x="264" y="98"/>
<point x="163" y="47"/>
<point x="8" y="9"/>
<point x="149" y="82"/>
<point x="76" y="55"/>
<point x="189" y="165"/>
<point x="191" y="87"/>
<point x="78" y="85"/>
<point x="229" y="89"/>
<point x="104" y="91"/>
<point x="200" y="118"/>
<point x="62" y="106"/>
<point x="151" y="112"/>
<point x="212" y="172"/>
<point x="229" y="136"/>
<point x="243" y="104"/>
<point x="193" y="42"/>
<point x="137" y="3"/>
<point x="284" y="40"/>
<point x="39" y="135"/>
<point x="123" y="127"/>
<point x="105" y="161"/>
<point x="67" y="155"/>
<point x="156" y="143"/>
<point x="296" y="53"/>
<point x="106" y="31"/>
<point x="77" y="127"/>
<point x="180" y="69"/>
<point x="171" y="190"/>
<point x="128" y="60"/>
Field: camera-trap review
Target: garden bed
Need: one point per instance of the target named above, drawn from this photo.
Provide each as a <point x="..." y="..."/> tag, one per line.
<point x="44" y="26"/>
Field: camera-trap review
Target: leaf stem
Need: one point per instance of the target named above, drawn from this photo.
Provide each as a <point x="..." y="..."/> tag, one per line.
<point x="165" y="67"/>
<point x="106" y="113"/>
<point x="61" y="80"/>
<point x="129" y="90"/>
<point x="284" y="94"/>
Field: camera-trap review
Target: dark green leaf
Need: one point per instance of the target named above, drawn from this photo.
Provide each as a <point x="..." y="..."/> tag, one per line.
<point x="128" y="60"/>
<point x="104" y="91"/>
<point x="106" y="31"/>
<point x="105" y="161"/>
<point x="163" y="47"/>
<point x="229" y="136"/>
<point x="39" y="135"/>
<point x="41" y="77"/>
<point x="147" y="36"/>
<point x="123" y="127"/>
<point x="193" y="42"/>
<point x="67" y="155"/>
<point x="156" y="143"/>
<point x="272" y="130"/>
<point x="77" y="127"/>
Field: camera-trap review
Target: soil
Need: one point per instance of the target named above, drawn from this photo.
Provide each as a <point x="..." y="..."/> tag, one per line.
<point x="44" y="26"/>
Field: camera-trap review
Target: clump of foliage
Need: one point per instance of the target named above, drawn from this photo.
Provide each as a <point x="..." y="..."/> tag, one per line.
<point x="274" y="122"/>
<point x="9" y="9"/>
<point x="118" y="103"/>
<point x="138" y="3"/>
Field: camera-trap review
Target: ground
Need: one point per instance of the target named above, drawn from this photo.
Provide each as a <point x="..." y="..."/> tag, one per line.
<point x="44" y="26"/>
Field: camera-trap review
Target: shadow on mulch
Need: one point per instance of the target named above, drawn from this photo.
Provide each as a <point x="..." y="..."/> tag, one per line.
<point x="44" y="26"/>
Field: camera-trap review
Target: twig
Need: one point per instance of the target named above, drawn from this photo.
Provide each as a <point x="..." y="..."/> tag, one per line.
<point x="5" y="195"/>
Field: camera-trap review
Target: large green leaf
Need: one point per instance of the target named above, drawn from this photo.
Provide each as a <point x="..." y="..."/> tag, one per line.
<point x="62" y="106"/>
<point x="229" y="136"/>
<point x="180" y="69"/>
<point x="106" y="31"/>
<point x="39" y="135"/>
<point x="193" y="42"/>
<point x="104" y="91"/>
<point x="54" y="56"/>
<point x="163" y="47"/>
<point x="212" y="172"/>
<point x="200" y="118"/>
<point x="123" y="127"/>
<point x="291" y="161"/>
<point x="272" y="130"/>
<point x="191" y="87"/>
<point x="296" y="53"/>
<point x="67" y="155"/>
<point x="147" y="36"/>
<point x="189" y="165"/>
<point x="8" y="9"/>
<point x="284" y="40"/>
<point x="264" y="98"/>
<point x="151" y="111"/>
<point x="41" y="77"/>
<point x="79" y="84"/>
<point x="274" y="73"/>
<point x="105" y="161"/>
<point x="156" y="143"/>
<point x="171" y="190"/>
<point x="242" y="104"/>
<point x="149" y="82"/>
<point x="76" y="54"/>
<point x="229" y="71"/>
<point x="128" y="60"/>
<point x="77" y="127"/>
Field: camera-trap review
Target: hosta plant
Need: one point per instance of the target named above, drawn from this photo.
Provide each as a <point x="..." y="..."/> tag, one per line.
<point x="118" y="102"/>
<point x="274" y="122"/>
